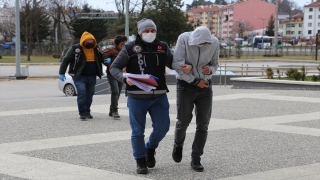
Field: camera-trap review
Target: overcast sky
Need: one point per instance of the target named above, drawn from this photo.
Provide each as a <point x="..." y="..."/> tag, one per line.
<point x="109" y="5"/>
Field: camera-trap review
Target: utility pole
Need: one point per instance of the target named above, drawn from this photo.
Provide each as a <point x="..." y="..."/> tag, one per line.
<point x="17" y="13"/>
<point x="316" y="48"/>
<point x="276" y="29"/>
<point x="127" y="19"/>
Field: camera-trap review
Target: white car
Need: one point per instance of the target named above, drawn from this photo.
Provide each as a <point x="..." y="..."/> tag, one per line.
<point x="286" y="44"/>
<point x="224" y="72"/>
<point x="69" y="89"/>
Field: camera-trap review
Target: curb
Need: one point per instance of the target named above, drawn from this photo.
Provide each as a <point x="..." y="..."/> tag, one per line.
<point x="31" y="64"/>
<point x="28" y="78"/>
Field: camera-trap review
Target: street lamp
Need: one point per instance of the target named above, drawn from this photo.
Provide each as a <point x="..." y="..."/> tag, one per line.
<point x="262" y="24"/>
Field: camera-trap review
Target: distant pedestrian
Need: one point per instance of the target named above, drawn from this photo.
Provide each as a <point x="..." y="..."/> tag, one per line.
<point x="109" y="55"/>
<point x="195" y="59"/>
<point x="145" y="55"/>
<point x="84" y="61"/>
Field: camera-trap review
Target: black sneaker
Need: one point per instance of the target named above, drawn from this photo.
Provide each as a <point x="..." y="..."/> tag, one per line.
<point x="151" y="161"/>
<point x="110" y="113"/>
<point x="83" y="116"/>
<point x="177" y="154"/>
<point x="142" y="166"/>
<point x="196" y="165"/>
<point x="115" y="115"/>
<point x="89" y="116"/>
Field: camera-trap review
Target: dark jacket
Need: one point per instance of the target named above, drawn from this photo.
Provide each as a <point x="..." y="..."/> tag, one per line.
<point x="140" y="57"/>
<point x="76" y="60"/>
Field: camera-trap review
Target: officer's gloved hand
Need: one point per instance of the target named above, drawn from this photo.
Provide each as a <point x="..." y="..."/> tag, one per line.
<point x="107" y="60"/>
<point x="62" y="77"/>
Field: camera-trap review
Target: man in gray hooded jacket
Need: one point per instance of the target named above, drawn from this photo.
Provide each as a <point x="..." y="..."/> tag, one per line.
<point x="195" y="59"/>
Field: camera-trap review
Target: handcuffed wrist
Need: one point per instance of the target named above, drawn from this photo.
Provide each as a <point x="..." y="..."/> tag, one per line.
<point x="195" y="81"/>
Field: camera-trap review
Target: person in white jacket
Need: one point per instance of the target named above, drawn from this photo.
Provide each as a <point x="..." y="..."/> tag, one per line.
<point x="195" y="59"/>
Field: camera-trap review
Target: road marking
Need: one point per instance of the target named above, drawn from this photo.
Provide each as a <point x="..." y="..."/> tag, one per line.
<point x="41" y="169"/>
<point x="35" y="168"/>
<point x="306" y="172"/>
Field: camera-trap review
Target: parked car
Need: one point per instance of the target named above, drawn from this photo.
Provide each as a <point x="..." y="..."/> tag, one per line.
<point x="223" y="45"/>
<point x="69" y="89"/>
<point x="286" y="44"/>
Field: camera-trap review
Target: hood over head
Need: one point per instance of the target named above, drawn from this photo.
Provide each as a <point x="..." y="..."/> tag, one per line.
<point x="200" y="35"/>
<point x="87" y="36"/>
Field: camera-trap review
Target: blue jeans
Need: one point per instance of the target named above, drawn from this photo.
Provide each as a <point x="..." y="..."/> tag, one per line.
<point x="85" y="90"/>
<point x="158" y="109"/>
<point x="116" y="87"/>
<point x="187" y="99"/>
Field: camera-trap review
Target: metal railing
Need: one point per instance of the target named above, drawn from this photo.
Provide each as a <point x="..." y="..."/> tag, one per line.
<point x="246" y="70"/>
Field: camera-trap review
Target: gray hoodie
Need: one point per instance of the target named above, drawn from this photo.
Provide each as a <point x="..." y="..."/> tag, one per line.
<point x="187" y="51"/>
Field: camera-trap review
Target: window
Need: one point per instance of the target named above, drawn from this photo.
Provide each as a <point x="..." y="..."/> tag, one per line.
<point x="287" y="32"/>
<point x="309" y="31"/>
<point x="300" y="25"/>
<point x="310" y="16"/>
<point x="309" y="24"/>
<point x="292" y="32"/>
<point x="293" y="25"/>
<point x="318" y="16"/>
<point x="299" y="32"/>
<point x="288" y="25"/>
<point x="318" y="24"/>
<point x="310" y="9"/>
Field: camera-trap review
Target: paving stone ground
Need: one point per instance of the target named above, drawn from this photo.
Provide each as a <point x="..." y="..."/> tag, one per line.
<point x="253" y="134"/>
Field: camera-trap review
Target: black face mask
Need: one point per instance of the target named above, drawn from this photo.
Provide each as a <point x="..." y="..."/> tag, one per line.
<point x="88" y="45"/>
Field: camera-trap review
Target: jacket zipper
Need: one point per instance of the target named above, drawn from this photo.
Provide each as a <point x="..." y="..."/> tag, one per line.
<point x="198" y="62"/>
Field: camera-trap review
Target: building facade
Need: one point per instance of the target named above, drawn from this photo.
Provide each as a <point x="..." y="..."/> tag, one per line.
<point x="293" y="26"/>
<point x="233" y="20"/>
<point x="311" y="25"/>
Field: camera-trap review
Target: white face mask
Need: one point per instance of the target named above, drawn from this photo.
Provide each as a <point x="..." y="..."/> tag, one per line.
<point x="149" y="37"/>
<point x="200" y="45"/>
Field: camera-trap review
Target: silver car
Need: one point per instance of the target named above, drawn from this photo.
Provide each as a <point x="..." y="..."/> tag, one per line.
<point x="69" y="89"/>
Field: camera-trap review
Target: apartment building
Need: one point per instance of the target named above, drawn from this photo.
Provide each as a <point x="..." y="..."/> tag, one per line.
<point x="251" y="15"/>
<point x="243" y="16"/>
<point x="292" y="27"/>
<point x="205" y="16"/>
<point x="311" y="25"/>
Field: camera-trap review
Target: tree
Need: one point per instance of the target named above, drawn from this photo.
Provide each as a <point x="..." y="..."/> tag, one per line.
<point x="287" y="6"/>
<point x="221" y="2"/>
<point x="196" y="3"/>
<point x="60" y="12"/>
<point x="169" y="18"/>
<point x="270" y="27"/>
<point x="35" y="24"/>
<point x="97" y="27"/>
<point x="120" y="4"/>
